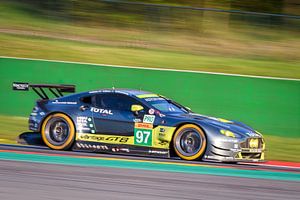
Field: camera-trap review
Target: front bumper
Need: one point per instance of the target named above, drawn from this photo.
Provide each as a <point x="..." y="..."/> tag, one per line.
<point x="236" y="150"/>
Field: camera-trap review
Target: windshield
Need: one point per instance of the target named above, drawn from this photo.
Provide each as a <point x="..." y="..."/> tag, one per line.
<point x="165" y="105"/>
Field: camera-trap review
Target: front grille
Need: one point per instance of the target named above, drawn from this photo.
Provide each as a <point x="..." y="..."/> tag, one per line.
<point x="247" y="143"/>
<point x="251" y="155"/>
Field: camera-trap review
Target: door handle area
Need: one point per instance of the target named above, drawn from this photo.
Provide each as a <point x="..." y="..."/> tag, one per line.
<point x="83" y="107"/>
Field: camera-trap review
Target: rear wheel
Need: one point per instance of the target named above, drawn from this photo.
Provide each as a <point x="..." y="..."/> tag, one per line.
<point x="189" y="142"/>
<point x="58" y="131"/>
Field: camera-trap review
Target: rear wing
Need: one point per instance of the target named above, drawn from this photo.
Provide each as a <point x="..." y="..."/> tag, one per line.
<point x="39" y="89"/>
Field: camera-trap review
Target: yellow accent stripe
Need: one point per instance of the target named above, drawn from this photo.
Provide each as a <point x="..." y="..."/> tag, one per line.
<point x="141" y="96"/>
<point x="110" y="139"/>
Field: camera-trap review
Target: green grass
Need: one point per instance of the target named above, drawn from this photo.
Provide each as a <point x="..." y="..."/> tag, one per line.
<point x="244" y="50"/>
<point x="278" y="148"/>
<point x="11" y="128"/>
<point x="42" y="47"/>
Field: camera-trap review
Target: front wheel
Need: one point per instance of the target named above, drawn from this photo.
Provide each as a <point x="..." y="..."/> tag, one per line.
<point x="189" y="142"/>
<point x="58" y="131"/>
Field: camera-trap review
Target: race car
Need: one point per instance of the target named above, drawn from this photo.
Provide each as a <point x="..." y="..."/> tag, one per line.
<point x="127" y="121"/>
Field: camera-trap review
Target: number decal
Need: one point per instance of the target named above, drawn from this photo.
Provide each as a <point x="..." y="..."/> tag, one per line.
<point x="143" y="137"/>
<point x="139" y="137"/>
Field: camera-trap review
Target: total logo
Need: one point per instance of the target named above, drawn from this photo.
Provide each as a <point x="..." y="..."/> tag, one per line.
<point x="101" y="111"/>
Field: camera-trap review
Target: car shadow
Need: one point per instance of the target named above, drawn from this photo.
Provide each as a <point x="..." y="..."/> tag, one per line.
<point x="30" y="138"/>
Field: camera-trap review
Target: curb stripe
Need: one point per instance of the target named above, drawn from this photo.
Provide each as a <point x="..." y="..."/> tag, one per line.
<point x="151" y="166"/>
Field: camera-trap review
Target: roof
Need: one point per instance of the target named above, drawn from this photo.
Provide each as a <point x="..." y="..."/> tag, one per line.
<point x="132" y="92"/>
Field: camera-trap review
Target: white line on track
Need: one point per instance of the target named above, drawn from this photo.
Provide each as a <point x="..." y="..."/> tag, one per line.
<point x="155" y="69"/>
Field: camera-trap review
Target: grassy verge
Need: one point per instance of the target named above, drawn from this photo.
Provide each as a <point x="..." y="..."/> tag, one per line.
<point x="278" y="148"/>
<point x="11" y="128"/>
<point x="58" y="49"/>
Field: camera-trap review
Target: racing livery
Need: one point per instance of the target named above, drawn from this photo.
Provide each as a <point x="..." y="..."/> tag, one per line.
<point x="137" y="122"/>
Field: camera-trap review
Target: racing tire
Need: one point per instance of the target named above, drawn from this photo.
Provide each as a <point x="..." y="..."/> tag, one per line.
<point x="189" y="142"/>
<point x="58" y="131"/>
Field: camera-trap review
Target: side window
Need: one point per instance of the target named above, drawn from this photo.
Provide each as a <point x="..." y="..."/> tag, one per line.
<point x="115" y="101"/>
<point x="87" y="100"/>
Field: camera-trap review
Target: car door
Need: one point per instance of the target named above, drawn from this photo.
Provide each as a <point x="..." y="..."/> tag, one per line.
<point x="112" y="114"/>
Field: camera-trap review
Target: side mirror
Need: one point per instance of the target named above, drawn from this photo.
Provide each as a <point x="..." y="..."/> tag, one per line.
<point x="136" y="108"/>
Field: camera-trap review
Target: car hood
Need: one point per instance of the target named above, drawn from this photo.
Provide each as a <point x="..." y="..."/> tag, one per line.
<point x="238" y="128"/>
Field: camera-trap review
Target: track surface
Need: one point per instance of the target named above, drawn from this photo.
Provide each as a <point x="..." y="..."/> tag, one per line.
<point x="23" y="180"/>
<point x="27" y="180"/>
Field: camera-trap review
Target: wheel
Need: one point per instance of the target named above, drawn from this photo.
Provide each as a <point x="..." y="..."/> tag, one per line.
<point x="189" y="142"/>
<point x="58" y="131"/>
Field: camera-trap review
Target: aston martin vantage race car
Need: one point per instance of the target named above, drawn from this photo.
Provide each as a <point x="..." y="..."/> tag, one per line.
<point x="126" y="121"/>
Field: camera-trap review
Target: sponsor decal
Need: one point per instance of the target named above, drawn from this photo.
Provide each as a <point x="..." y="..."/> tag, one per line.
<point x="101" y="111"/>
<point x="84" y="124"/>
<point x="149" y="119"/>
<point x="143" y="134"/>
<point x="20" y="86"/>
<point x="154" y="99"/>
<point x="137" y="120"/>
<point x="162" y="135"/>
<point x="143" y="125"/>
<point x="104" y="138"/>
<point x="65" y="102"/>
<point x="143" y="137"/>
<point x="151" y="111"/>
<point x="82" y="121"/>
<point x="227" y="140"/>
<point x="88" y="146"/>
<point x="158" y="152"/>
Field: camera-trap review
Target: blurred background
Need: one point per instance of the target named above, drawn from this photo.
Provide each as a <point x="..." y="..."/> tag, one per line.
<point x="249" y="37"/>
<point x="233" y="36"/>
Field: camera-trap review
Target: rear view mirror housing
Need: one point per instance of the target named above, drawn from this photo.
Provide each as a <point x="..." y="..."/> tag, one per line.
<point x="136" y="108"/>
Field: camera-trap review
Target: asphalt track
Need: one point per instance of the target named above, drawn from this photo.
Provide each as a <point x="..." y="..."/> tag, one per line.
<point x="35" y="178"/>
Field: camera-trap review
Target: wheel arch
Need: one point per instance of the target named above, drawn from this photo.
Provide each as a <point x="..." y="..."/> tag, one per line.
<point x="52" y="113"/>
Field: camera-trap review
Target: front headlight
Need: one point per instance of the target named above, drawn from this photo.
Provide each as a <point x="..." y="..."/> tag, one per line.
<point x="227" y="133"/>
